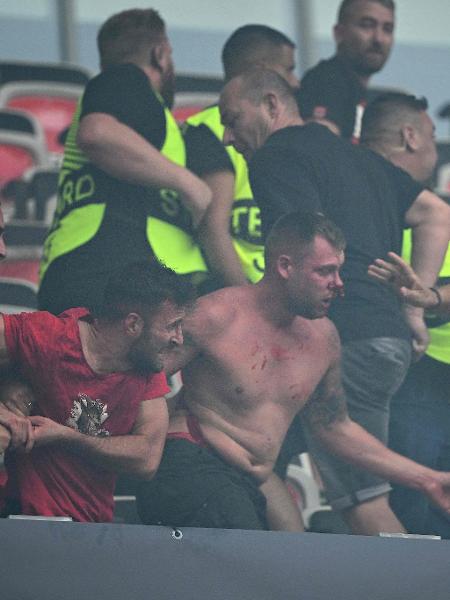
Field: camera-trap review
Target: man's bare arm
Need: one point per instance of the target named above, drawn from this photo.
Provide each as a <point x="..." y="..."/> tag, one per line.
<point x="327" y="416"/>
<point x="123" y="153"/>
<point x="214" y="233"/>
<point x="429" y="218"/>
<point x="16" y="400"/>
<point x="138" y="453"/>
<point x="15" y="428"/>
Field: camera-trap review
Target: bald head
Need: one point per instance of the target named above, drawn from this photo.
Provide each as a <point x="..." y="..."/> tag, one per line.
<point x="254" y="105"/>
<point x="398" y="127"/>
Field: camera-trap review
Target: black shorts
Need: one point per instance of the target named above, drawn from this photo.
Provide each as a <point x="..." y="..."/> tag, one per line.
<point x="195" y="487"/>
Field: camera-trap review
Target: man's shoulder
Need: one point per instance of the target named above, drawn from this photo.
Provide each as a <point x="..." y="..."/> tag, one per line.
<point x="215" y="312"/>
<point x="280" y="139"/>
<point x="298" y="139"/>
<point x="123" y="70"/>
<point x="322" y="334"/>
<point x="322" y="69"/>
<point x="126" y="77"/>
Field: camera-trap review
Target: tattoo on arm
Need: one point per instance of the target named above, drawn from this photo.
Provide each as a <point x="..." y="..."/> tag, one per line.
<point x="327" y="405"/>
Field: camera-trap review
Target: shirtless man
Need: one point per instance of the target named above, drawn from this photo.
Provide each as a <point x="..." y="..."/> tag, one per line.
<point x="255" y="356"/>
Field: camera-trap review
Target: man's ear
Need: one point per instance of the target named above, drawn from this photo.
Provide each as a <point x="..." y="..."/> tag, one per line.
<point x="157" y="57"/>
<point x="284" y="266"/>
<point x="133" y="324"/>
<point x="338" y="33"/>
<point x="410" y="138"/>
<point x="271" y="103"/>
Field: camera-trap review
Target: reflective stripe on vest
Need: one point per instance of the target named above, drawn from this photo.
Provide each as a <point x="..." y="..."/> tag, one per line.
<point x="439" y="329"/>
<point x="174" y="247"/>
<point x="78" y="216"/>
<point x="245" y="222"/>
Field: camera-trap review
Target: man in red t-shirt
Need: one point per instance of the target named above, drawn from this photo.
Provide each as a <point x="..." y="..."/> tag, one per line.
<point x="99" y="394"/>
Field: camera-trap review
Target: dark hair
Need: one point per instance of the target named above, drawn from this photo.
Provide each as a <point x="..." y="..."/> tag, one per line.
<point x="386" y="115"/>
<point x="297" y="230"/>
<point x="346" y="5"/>
<point x="140" y="285"/>
<point x="258" y="82"/>
<point x="129" y="36"/>
<point x="250" y="45"/>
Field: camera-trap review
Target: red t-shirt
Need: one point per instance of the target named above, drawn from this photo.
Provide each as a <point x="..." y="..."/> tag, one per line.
<point x="51" y="481"/>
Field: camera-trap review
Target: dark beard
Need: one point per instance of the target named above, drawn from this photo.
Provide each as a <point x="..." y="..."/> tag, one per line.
<point x="142" y="366"/>
<point x="168" y="88"/>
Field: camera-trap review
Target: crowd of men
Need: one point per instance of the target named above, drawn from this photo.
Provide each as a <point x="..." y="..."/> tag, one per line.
<point x="284" y="208"/>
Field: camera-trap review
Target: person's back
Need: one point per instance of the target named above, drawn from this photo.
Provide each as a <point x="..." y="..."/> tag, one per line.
<point x="123" y="191"/>
<point x="362" y="193"/>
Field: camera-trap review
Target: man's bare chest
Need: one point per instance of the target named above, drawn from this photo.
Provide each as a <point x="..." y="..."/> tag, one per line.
<point x="255" y="370"/>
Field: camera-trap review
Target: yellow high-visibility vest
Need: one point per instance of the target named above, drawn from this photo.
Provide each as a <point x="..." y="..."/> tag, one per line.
<point x="245" y="220"/>
<point x="79" y="214"/>
<point x="439" y="329"/>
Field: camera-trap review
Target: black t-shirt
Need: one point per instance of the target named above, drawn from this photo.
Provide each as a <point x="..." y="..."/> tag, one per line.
<point x="331" y="90"/>
<point x="205" y="153"/>
<point x="308" y="167"/>
<point x="124" y="92"/>
<point x="78" y="277"/>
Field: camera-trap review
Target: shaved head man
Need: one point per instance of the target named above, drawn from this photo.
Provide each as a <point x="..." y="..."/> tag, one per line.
<point x="231" y="231"/>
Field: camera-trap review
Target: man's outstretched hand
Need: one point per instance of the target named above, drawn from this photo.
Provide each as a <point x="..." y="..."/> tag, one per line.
<point x="400" y="276"/>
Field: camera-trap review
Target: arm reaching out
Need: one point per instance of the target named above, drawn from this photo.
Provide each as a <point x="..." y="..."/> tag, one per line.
<point x="401" y="277"/>
<point x="429" y="218"/>
<point x="326" y="414"/>
<point x="137" y="453"/>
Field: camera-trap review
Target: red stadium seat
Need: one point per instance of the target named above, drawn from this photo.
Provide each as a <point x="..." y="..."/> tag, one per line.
<point x="14" y="161"/>
<point x="21" y="144"/>
<point x="23" y="270"/>
<point x="54" y="114"/>
<point x="52" y="104"/>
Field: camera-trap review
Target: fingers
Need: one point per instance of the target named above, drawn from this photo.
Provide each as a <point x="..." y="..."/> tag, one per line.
<point x="37" y="421"/>
<point x="379" y="273"/>
<point x="413" y="297"/>
<point x="418" y="350"/>
<point x="394" y="271"/>
<point x="30" y="439"/>
<point x="21" y="432"/>
<point x="398" y="261"/>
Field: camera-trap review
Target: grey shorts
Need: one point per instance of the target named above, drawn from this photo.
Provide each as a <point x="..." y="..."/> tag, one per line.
<point x="372" y="371"/>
